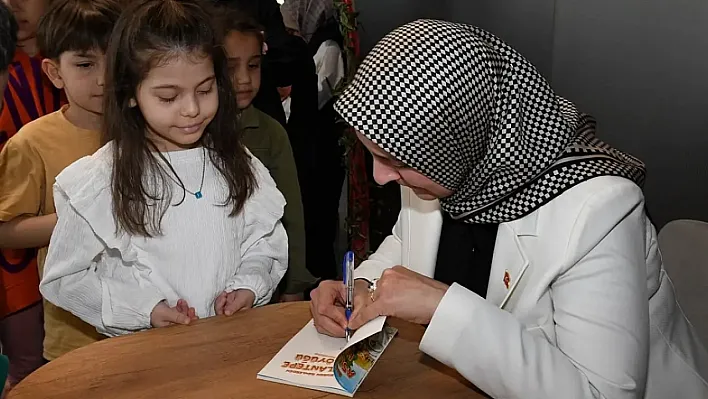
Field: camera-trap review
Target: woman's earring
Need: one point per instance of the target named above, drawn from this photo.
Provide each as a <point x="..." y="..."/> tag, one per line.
<point x="132" y="103"/>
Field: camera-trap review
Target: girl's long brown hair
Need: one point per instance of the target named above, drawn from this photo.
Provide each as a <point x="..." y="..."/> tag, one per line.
<point x="148" y="33"/>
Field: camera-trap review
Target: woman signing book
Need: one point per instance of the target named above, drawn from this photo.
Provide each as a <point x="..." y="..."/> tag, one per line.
<point x="524" y="242"/>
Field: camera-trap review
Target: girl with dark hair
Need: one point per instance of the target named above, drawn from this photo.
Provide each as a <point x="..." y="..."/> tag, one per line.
<point x="194" y="228"/>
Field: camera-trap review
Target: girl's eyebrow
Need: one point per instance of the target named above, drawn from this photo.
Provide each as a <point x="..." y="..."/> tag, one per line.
<point x="172" y="86"/>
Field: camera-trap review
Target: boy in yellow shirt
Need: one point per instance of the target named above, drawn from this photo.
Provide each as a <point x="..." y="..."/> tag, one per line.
<point x="72" y="36"/>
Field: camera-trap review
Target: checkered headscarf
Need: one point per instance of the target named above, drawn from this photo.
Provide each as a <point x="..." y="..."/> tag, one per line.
<point x="462" y="107"/>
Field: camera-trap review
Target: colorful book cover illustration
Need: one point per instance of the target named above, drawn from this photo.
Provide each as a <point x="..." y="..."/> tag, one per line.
<point x="315" y="361"/>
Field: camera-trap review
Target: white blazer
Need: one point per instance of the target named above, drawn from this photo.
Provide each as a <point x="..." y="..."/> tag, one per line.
<point x="588" y="313"/>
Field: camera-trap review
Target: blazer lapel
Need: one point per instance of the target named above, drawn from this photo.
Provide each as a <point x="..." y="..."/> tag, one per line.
<point x="420" y="235"/>
<point x="509" y="264"/>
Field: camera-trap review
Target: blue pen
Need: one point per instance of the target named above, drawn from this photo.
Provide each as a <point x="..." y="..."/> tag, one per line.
<point x="348" y="276"/>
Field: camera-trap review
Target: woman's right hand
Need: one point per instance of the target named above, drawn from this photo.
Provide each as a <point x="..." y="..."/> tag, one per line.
<point x="163" y="315"/>
<point x="327" y="305"/>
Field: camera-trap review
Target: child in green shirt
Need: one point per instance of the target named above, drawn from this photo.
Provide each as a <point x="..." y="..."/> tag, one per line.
<point x="268" y="141"/>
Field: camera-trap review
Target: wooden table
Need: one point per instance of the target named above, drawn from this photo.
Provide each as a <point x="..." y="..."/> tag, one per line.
<point x="220" y="357"/>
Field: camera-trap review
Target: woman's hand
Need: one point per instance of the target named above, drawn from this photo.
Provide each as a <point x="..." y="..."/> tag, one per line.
<point x="163" y="315"/>
<point x="228" y="303"/>
<point x="401" y="293"/>
<point x="327" y="305"/>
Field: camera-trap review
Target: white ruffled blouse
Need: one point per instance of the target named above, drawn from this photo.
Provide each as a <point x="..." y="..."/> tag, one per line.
<point x="113" y="281"/>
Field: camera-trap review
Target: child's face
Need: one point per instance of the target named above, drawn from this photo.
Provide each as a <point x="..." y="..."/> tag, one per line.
<point x="178" y="100"/>
<point x="27" y="13"/>
<point x="80" y="74"/>
<point x="244" y="53"/>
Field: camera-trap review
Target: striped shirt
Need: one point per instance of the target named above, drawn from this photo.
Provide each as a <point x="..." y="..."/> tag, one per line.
<point x="28" y="96"/>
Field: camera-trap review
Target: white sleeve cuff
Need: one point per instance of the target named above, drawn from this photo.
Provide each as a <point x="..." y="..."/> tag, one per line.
<point x="255" y="278"/>
<point x="131" y="314"/>
<point x="443" y="332"/>
<point x="371" y="269"/>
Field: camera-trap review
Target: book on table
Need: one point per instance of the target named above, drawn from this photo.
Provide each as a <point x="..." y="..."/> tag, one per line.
<point x="320" y="362"/>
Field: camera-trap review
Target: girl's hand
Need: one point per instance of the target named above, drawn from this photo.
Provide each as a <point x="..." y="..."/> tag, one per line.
<point x="327" y="305"/>
<point x="231" y="302"/>
<point x="402" y="293"/>
<point x="184" y="308"/>
<point x="163" y="315"/>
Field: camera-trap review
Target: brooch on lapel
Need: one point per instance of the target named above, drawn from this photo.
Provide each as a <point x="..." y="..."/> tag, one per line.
<point x="507" y="279"/>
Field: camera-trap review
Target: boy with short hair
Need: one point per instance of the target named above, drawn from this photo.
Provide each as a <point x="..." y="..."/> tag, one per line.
<point x="72" y="36"/>
<point x="267" y="140"/>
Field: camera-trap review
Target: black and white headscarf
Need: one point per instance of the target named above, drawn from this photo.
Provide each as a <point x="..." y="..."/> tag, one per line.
<point x="462" y="107"/>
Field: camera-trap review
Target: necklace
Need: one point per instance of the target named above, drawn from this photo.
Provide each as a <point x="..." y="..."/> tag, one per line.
<point x="197" y="194"/>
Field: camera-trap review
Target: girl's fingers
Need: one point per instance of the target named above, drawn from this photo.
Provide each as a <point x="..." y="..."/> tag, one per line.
<point x="182" y="306"/>
<point x="219" y="304"/>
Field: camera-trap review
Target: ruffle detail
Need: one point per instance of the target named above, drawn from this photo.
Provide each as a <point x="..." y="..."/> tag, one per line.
<point x="87" y="186"/>
<point x="266" y="198"/>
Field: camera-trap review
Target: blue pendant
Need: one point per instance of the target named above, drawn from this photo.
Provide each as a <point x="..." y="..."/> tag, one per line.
<point x="198" y="194"/>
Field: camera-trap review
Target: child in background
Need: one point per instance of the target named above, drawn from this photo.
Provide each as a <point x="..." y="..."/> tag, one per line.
<point x="267" y="140"/>
<point x="72" y="35"/>
<point x="28" y="13"/>
<point x="195" y="224"/>
<point x="8" y="41"/>
<point x="29" y="95"/>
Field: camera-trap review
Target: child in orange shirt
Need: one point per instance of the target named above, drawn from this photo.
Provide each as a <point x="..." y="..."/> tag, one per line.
<point x="28" y="96"/>
<point x="73" y="36"/>
<point x="8" y="40"/>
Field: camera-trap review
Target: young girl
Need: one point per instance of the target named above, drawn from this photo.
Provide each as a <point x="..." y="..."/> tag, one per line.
<point x="195" y="224"/>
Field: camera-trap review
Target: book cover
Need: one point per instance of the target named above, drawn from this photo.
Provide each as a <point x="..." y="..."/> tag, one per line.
<point x="316" y="361"/>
